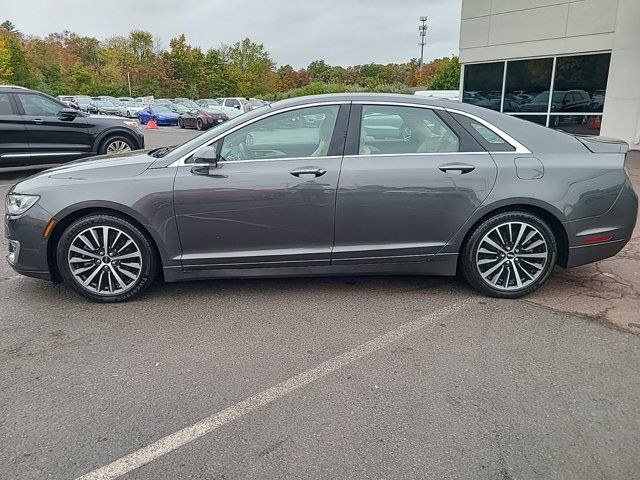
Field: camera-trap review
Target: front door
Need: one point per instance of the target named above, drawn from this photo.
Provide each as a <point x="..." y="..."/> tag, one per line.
<point x="409" y="184"/>
<point x="270" y="202"/>
<point x="53" y="137"/>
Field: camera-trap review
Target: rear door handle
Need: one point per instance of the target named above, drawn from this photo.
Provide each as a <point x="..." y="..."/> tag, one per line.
<point x="316" y="172"/>
<point x="38" y="120"/>
<point x="458" y="168"/>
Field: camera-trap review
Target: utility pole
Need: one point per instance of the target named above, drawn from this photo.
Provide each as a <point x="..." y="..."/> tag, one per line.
<point x="422" y="28"/>
<point x="129" y="80"/>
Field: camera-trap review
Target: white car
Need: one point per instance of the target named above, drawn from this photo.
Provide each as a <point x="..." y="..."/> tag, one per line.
<point x="232" y="106"/>
<point x="133" y="108"/>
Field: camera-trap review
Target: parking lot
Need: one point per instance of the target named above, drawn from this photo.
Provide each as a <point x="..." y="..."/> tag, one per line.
<point x="352" y="377"/>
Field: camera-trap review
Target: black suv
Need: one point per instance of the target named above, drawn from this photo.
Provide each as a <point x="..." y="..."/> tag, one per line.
<point x="37" y="130"/>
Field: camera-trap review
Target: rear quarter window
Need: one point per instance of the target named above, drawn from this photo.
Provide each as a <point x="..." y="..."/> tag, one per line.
<point x="489" y="139"/>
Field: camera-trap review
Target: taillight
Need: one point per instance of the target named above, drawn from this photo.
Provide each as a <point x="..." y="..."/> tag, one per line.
<point x="208" y="117"/>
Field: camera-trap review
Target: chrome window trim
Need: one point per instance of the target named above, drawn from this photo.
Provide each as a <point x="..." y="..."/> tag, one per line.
<point x="181" y="161"/>
<point x="255" y="160"/>
<point x="419" y="154"/>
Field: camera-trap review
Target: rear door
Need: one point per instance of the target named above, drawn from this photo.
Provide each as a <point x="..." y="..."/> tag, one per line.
<point x="410" y="179"/>
<point x="14" y="142"/>
<point x="53" y="137"/>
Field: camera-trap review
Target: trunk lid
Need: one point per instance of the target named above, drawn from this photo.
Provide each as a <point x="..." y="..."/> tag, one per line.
<point x="603" y="144"/>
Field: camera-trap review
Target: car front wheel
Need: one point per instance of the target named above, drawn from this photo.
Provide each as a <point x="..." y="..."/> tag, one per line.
<point x="181" y="123"/>
<point x="509" y="255"/>
<point x="199" y="124"/>
<point x="106" y="258"/>
<point x="116" y="144"/>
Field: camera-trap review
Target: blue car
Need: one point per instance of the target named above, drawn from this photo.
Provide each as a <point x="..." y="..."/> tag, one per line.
<point x="161" y="114"/>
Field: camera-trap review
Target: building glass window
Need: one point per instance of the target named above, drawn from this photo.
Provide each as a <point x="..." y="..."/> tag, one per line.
<point x="582" y="82"/>
<point x="527" y="85"/>
<point x="573" y="103"/>
<point x="483" y="84"/>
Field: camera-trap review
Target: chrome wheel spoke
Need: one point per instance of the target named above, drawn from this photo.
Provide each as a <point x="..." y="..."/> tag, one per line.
<point x="512" y="255"/>
<point x="93" y="267"/>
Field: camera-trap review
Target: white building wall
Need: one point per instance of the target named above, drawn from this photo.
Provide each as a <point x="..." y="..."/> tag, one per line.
<point x="502" y="29"/>
<point x="622" y="104"/>
<point x="499" y="29"/>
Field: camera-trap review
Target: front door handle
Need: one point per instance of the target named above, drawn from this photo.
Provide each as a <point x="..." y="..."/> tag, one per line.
<point x="457" y="168"/>
<point x="38" y="121"/>
<point x="316" y="172"/>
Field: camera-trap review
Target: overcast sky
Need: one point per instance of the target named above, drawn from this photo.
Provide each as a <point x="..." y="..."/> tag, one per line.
<point x="342" y="32"/>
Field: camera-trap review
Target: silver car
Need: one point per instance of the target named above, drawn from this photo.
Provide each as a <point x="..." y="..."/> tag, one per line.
<point x="331" y="185"/>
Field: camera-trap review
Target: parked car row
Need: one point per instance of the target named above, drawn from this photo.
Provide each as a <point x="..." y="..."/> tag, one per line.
<point x="200" y="114"/>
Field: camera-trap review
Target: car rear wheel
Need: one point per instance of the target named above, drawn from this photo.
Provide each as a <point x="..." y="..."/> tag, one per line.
<point x="181" y="123"/>
<point x="199" y="124"/>
<point x="509" y="255"/>
<point x="106" y="258"/>
<point x="116" y="144"/>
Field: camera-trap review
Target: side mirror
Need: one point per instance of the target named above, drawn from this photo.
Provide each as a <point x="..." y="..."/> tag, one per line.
<point x="205" y="159"/>
<point x="68" y="113"/>
<point x="238" y="107"/>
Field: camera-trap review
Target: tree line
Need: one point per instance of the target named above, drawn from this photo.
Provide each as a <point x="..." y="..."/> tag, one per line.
<point x="67" y="63"/>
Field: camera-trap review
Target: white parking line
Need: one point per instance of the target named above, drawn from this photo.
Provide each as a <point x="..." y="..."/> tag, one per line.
<point x="188" y="434"/>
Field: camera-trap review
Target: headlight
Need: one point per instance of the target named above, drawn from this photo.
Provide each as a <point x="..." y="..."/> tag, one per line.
<point x="18" y="204"/>
<point x="131" y="124"/>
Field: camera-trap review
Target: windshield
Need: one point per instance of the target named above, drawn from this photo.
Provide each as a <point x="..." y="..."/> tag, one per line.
<point x="104" y="103"/>
<point x="83" y="101"/>
<point x="256" y="103"/>
<point x="160" y="109"/>
<point x="189" y="103"/>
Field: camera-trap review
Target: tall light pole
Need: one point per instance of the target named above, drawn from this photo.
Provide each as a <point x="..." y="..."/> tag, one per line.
<point x="422" y="28"/>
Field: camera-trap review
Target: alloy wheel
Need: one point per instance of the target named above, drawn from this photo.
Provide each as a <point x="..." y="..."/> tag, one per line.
<point x="512" y="256"/>
<point x="105" y="260"/>
<point x="118" y="146"/>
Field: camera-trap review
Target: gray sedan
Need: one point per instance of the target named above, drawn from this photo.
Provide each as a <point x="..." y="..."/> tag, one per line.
<point x="331" y="185"/>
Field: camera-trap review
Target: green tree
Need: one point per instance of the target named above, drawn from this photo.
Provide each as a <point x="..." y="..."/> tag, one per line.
<point x="446" y="75"/>
<point x="319" y="71"/>
<point x="250" y="68"/>
<point x="8" y="26"/>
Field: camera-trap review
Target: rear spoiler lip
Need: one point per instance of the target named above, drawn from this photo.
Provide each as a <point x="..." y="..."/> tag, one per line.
<point x="597" y="144"/>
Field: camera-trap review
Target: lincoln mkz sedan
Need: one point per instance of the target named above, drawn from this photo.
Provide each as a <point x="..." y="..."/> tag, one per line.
<point x="331" y="185"/>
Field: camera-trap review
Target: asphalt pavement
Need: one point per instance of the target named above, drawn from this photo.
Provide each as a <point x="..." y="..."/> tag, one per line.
<point x="351" y="377"/>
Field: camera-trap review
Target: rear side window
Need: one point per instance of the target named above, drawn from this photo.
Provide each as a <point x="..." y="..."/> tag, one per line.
<point x="489" y="139"/>
<point x="386" y="129"/>
<point x="5" y="104"/>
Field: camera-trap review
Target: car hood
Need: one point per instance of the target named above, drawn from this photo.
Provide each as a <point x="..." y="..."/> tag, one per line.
<point x="100" y="168"/>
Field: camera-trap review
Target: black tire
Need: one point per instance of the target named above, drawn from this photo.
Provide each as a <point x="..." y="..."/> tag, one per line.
<point x="104" y="145"/>
<point x="149" y="262"/>
<point x="181" y="123"/>
<point x="471" y="270"/>
<point x="199" y="124"/>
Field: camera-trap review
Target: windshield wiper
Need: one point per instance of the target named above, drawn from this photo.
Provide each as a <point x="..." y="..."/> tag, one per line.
<point x="160" y="152"/>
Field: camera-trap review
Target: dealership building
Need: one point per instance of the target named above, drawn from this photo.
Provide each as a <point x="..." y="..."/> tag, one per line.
<point x="567" y="64"/>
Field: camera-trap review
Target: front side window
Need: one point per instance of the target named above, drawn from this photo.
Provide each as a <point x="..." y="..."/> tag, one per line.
<point x="301" y="133"/>
<point x="389" y="129"/>
<point x="37" y="105"/>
